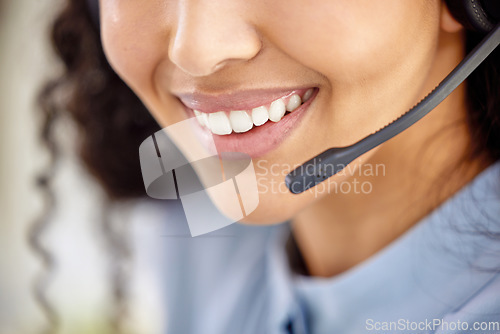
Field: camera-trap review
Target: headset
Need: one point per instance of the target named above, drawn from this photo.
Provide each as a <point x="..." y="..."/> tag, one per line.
<point x="478" y="15"/>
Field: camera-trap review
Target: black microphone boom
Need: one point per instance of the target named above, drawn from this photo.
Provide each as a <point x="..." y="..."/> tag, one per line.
<point x="333" y="160"/>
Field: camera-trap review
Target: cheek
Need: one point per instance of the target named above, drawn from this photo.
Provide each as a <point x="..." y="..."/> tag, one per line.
<point x="132" y="43"/>
<point x="349" y="39"/>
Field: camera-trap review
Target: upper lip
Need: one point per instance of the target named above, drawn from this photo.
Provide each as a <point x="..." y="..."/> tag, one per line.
<point x="240" y="100"/>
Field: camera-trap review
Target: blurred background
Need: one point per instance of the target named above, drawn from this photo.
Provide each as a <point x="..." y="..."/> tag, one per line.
<point x="80" y="287"/>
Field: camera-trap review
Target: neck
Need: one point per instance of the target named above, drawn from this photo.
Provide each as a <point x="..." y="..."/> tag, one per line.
<point x="408" y="177"/>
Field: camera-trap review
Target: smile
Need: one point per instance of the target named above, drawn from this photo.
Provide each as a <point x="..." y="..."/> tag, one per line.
<point x="251" y="122"/>
<point x="240" y="121"/>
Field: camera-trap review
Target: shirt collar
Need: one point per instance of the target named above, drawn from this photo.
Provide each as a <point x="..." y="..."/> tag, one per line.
<point x="429" y="271"/>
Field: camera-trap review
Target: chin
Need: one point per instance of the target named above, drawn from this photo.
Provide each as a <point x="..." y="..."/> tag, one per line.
<point x="278" y="208"/>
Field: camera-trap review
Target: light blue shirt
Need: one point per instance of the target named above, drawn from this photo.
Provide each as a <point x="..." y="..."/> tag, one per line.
<point x="237" y="280"/>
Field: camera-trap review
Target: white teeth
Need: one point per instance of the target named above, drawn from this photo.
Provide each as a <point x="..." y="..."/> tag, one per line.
<point x="260" y="115"/>
<point x="243" y="120"/>
<point x="307" y="95"/>
<point x="294" y="102"/>
<point x="199" y="117"/>
<point x="240" y="121"/>
<point x="277" y="110"/>
<point x="219" y="123"/>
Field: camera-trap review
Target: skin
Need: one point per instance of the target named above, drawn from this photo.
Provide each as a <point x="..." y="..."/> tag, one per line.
<point x="371" y="60"/>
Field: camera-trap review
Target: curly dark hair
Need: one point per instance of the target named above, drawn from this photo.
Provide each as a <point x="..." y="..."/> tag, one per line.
<point x="112" y="121"/>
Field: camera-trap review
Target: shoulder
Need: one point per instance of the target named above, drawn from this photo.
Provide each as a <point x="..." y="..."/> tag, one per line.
<point x="462" y="254"/>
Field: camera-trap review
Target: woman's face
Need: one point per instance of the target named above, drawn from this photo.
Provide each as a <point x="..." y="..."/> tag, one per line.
<point x="366" y="62"/>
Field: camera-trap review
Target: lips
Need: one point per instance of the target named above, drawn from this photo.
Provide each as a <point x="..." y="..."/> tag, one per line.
<point x="251" y="122"/>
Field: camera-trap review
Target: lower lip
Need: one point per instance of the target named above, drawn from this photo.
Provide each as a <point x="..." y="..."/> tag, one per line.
<point x="260" y="139"/>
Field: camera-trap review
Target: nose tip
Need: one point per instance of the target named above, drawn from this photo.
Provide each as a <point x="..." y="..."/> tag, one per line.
<point x="205" y="44"/>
